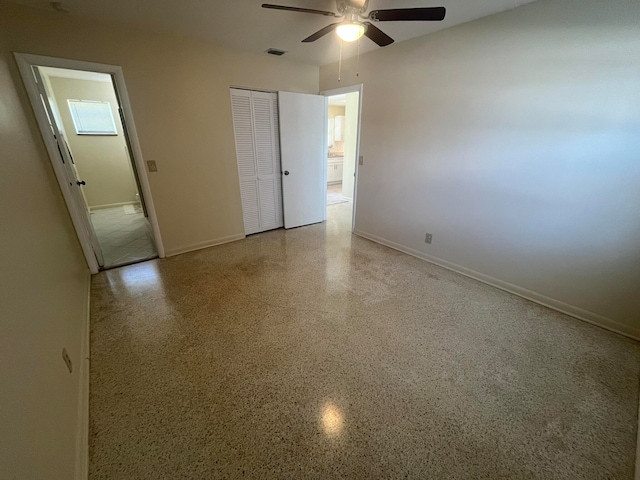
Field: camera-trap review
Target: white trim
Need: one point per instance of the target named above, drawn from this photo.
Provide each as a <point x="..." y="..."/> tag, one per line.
<point x="339" y="91"/>
<point x="342" y="90"/>
<point x="25" y="62"/>
<point x="76" y="216"/>
<point x="75" y="74"/>
<point x="201" y="245"/>
<point x="549" y="302"/>
<point x="141" y="167"/>
<point x="82" y="435"/>
<point x="112" y="205"/>
<point x="325" y="154"/>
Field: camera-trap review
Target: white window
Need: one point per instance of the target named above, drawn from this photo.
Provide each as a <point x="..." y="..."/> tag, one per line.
<point x="92" y="117"/>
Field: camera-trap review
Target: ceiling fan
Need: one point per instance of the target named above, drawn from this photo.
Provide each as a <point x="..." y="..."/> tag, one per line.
<point x="354" y="22"/>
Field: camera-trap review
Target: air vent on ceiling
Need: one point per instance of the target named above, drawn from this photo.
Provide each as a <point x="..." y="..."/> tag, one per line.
<point x="275" y="51"/>
<point x="59" y="7"/>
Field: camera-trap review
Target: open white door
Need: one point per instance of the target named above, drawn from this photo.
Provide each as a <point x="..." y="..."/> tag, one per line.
<point x="303" y="144"/>
<point x="71" y="180"/>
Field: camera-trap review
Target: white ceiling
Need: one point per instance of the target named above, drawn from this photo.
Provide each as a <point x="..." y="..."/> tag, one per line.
<point x="244" y="25"/>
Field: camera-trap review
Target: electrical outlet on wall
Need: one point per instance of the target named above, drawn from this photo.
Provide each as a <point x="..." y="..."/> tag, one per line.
<point x="67" y="360"/>
<point x="427" y="238"/>
<point x="152" y="166"/>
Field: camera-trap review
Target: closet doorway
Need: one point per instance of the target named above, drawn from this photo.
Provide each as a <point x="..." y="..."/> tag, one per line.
<point x="281" y="153"/>
<point x="257" y="136"/>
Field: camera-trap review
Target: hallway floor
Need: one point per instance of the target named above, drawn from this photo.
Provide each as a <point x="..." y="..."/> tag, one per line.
<point x="313" y="353"/>
<point x="334" y="194"/>
<point x="123" y="237"/>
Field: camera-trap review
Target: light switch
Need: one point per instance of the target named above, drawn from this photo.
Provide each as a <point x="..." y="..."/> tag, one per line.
<point x="360" y="160"/>
<point x="151" y="165"/>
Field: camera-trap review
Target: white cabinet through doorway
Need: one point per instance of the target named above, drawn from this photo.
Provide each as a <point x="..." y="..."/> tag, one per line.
<point x="257" y="136"/>
<point x="334" y="170"/>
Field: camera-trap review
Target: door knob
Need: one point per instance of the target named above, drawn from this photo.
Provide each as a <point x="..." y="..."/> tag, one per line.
<point x="286" y="172"/>
<point x="82" y="182"/>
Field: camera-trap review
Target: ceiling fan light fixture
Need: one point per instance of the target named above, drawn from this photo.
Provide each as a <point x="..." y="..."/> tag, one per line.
<point x="350" y="31"/>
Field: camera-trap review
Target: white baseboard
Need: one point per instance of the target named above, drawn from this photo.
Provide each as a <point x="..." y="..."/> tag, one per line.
<point x="201" y="245"/>
<point x="111" y="205"/>
<point x="82" y="435"/>
<point x="549" y="302"/>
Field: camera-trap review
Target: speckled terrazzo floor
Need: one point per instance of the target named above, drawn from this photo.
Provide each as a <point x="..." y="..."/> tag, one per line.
<point x="312" y="353"/>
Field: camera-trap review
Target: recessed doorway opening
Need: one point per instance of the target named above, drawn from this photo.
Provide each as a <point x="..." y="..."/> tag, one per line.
<point x="83" y="114"/>
<point x="84" y="106"/>
<point x="342" y="141"/>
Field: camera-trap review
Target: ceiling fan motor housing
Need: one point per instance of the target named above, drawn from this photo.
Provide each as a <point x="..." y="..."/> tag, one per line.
<point x="345" y="7"/>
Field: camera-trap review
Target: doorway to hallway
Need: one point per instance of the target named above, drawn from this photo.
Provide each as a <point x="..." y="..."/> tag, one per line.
<point x="85" y="109"/>
<point x="342" y="141"/>
<point x="84" y="117"/>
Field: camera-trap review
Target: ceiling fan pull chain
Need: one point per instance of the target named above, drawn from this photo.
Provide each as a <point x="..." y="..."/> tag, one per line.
<point x="340" y="62"/>
<point x="358" y="61"/>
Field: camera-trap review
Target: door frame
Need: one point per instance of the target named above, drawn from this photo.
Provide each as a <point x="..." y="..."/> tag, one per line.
<point x="70" y="174"/>
<point x="25" y="63"/>
<point x="339" y="91"/>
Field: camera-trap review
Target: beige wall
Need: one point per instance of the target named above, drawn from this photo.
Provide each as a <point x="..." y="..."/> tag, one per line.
<point x="335" y="110"/>
<point x="514" y="140"/>
<point x="101" y="160"/>
<point x="44" y="284"/>
<point x="179" y="91"/>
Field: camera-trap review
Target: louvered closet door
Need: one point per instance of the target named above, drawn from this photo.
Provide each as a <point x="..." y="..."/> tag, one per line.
<point x="258" y="155"/>
<point x="268" y="164"/>
<point x="245" y="154"/>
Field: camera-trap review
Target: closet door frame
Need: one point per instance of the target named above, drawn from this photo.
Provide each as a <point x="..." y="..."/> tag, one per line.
<point x="254" y="192"/>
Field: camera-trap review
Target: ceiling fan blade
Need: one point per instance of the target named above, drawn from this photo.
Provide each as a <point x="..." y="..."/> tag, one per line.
<point x="433" y="14"/>
<point x="321" y="33"/>
<point x="302" y="10"/>
<point x="377" y="35"/>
